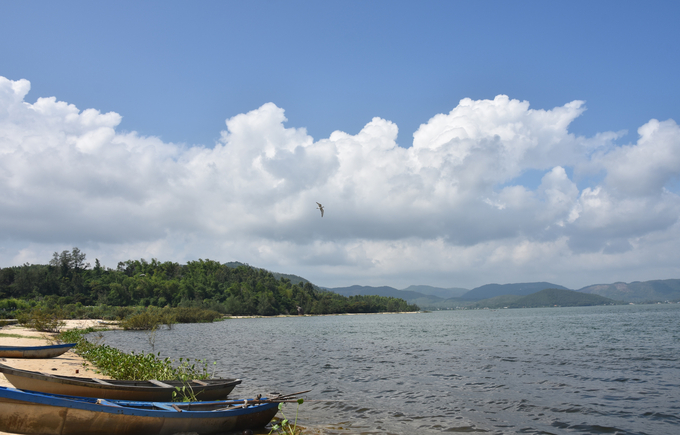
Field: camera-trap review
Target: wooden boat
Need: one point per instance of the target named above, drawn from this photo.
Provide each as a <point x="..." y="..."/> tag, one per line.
<point x="34" y="351"/>
<point x="148" y="391"/>
<point x="27" y="412"/>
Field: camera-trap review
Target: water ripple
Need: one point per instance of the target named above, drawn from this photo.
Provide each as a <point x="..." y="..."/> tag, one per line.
<point x="541" y="371"/>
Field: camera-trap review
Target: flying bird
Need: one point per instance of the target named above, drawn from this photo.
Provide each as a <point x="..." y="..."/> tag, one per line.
<point x="320" y="207"/>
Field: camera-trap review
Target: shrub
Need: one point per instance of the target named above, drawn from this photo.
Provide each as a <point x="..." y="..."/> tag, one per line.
<point x="9" y="307"/>
<point x="195" y="315"/>
<point x="148" y="320"/>
<point x="42" y="320"/>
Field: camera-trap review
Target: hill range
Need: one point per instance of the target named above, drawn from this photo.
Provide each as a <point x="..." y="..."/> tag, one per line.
<point x="551" y="297"/>
<point x="428" y="297"/>
<point x="502" y="295"/>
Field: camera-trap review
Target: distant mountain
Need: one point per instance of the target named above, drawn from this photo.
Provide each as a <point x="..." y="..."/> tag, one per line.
<point x="235" y="264"/>
<point x="521" y="289"/>
<point x="424" y="301"/>
<point x="429" y="297"/>
<point x="363" y="290"/>
<point x="495" y="302"/>
<point x="546" y="298"/>
<point x="294" y="279"/>
<point x="444" y="293"/>
<point x="427" y="302"/>
<point x="647" y="291"/>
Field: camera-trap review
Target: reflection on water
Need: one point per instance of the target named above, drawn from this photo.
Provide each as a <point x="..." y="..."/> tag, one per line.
<point x="560" y="370"/>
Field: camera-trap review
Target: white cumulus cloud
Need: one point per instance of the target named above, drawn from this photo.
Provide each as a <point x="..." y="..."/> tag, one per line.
<point x="449" y="211"/>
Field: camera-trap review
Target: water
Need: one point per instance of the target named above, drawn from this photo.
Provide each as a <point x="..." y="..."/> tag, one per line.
<point x="613" y="370"/>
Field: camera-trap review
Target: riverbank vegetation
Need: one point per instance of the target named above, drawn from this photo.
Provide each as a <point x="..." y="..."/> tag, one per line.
<point x="131" y="366"/>
<point x="78" y="290"/>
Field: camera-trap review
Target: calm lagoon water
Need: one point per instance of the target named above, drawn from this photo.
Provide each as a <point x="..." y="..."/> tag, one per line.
<point x="613" y="370"/>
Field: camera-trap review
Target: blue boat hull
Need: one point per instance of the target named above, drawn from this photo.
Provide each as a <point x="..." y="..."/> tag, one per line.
<point x="26" y="412"/>
<point x="34" y="351"/>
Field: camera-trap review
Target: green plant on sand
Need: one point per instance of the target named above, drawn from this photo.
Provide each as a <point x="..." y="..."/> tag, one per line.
<point x="284" y="427"/>
<point x="133" y="366"/>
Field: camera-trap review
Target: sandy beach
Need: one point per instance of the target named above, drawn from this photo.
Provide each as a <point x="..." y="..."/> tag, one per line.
<point x="67" y="364"/>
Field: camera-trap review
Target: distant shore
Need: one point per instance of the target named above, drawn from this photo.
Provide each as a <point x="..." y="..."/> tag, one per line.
<point x="320" y="315"/>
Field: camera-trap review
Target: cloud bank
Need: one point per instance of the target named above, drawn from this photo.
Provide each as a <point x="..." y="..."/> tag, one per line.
<point x="453" y="210"/>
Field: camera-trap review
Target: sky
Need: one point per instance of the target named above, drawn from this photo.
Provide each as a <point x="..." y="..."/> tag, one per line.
<point x="452" y="143"/>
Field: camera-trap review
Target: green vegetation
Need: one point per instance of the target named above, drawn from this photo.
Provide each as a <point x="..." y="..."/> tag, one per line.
<point x="184" y="394"/>
<point x="132" y="366"/>
<point x="11" y="305"/>
<point x="284" y="427"/>
<point x="149" y="319"/>
<point x="69" y="284"/>
<point x="41" y="320"/>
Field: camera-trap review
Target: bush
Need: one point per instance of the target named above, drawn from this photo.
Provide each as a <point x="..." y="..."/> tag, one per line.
<point x="42" y="320"/>
<point x="195" y="315"/>
<point x="9" y="307"/>
<point x="148" y="320"/>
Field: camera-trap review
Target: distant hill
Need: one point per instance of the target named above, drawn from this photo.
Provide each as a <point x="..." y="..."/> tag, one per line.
<point x="424" y="301"/>
<point x="444" y="293"/>
<point x="235" y="264"/>
<point x="546" y="298"/>
<point x="496" y="302"/>
<point x="294" y="279"/>
<point x="428" y="302"/>
<point x="647" y="291"/>
<point x="521" y="289"/>
<point x="429" y="297"/>
<point x="364" y="290"/>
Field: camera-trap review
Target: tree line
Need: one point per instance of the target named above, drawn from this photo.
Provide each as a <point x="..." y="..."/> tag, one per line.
<point x="243" y="290"/>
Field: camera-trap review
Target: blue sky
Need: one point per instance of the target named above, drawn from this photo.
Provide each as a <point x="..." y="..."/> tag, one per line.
<point x="175" y="71"/>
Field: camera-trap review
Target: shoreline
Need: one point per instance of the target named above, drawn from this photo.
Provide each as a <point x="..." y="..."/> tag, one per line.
<point x="67" y="364"/>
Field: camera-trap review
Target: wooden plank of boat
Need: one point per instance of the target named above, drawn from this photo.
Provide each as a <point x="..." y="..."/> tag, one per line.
<point x="28" y="412"/>
<point x="34" y="351"/>
<point x="215" y="389"/>
<point x="160" y="384"/>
